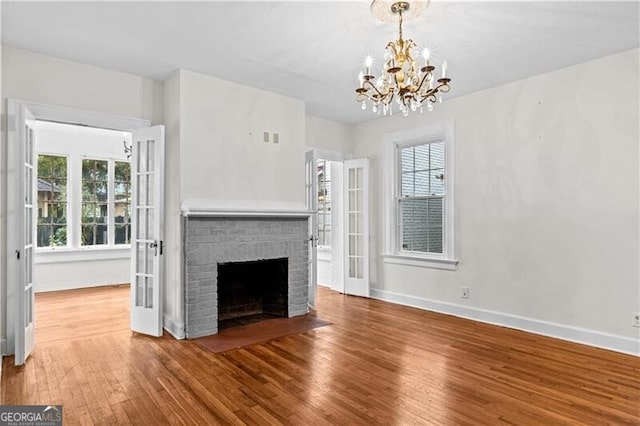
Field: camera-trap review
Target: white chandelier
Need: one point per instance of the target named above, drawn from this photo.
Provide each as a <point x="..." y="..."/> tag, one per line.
<point x="401" y="78"/>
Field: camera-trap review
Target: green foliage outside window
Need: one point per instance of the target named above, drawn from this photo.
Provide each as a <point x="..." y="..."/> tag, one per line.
<point x="95" y="197"/>
<point x="52" y="201"/>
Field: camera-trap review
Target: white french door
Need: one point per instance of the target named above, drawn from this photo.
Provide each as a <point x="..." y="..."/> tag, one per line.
<point x="20" y="231"/>
<point x="356" y="223"/>
<point x="147" y="176"/>
<point x="311" y="191"/>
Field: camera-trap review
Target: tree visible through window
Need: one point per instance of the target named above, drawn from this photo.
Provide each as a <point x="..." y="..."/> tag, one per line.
<point x="52" y="201"/>
<point x="324" y="202"/>
<point x="122" y="205"/>
<point x="421" y="201"/>
<point x="95" y="198"/>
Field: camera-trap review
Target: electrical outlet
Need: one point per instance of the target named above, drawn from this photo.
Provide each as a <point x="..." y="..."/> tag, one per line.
<point x="265" y="137"/>
<point x="465" y="293"/>
<point x="636" y="319"/>
<point x="276" y="138"/>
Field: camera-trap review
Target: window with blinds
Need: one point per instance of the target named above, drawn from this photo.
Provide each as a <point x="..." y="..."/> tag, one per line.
<point x="421" y="198"/>
<point x="324" y="203"/>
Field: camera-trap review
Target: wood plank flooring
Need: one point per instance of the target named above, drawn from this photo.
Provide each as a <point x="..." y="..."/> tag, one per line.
<point x="377" y="363"/>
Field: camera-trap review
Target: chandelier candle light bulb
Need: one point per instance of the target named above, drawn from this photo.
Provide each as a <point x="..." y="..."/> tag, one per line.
<point x="425" y="55"/>
<point x="401" y="78"/>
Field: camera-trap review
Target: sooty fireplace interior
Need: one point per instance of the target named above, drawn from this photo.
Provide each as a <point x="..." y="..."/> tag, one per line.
<point x="252" y="291"/>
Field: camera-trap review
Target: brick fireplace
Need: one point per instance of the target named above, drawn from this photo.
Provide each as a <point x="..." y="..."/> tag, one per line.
<point x="262" y="262"/>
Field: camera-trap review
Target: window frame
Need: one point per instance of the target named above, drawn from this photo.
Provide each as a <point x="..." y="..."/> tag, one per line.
<point x="74" y="208"/>
<point x="393" y="144"/>
<point x="69" y="215"/>
<point x="325" y="212"/>
<point x="112" y="203"/>
<point x="399" y="198"/>
<point x="79" y="223"/>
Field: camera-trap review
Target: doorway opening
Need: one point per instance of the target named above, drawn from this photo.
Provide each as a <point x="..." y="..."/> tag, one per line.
<point x="337" y="194"/>
<point x="329" y="202"/>
<point x="68" y="210"/>
<point x="81" y="222"/>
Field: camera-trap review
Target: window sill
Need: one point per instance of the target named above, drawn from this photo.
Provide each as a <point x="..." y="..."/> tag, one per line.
<point x="62" y="255"/>
<point x="420" y="261"/>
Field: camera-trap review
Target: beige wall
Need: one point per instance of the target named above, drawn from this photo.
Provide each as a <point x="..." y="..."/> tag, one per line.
<point x="546" y="201"/>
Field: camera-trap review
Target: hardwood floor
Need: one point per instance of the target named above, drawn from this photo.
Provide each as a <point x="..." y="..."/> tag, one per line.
<point x="377" y="363"/>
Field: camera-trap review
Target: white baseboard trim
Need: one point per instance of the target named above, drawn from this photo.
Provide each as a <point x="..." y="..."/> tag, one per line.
<point x="598" y="339"/>
<point x="173" y="328"/>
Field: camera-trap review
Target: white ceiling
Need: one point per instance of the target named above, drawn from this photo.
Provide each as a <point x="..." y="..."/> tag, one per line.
<point x="313" y="50"/>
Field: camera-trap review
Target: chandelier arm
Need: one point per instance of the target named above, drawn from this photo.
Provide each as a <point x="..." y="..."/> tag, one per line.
<point x="424" y="78"/>
<point x="431" y="94"/>
<point x="374" y="88"/>
<point x="444" y="83"/>
<point x="431" y="97"/>
<point x="362" y="97"/>
<point x="391" y="98"/>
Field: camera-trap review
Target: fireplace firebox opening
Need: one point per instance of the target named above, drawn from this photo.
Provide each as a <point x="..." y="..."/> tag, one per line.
<point x="252" y="291"/>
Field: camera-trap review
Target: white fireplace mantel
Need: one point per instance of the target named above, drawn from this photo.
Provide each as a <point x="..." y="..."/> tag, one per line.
<point x="196" y="207"/>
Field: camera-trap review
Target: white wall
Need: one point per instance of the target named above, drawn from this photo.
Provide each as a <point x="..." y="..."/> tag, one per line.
<point x="40" y="78"/>
<point x="329" y="135"/>
<point x="546" y="204"/>
<point x="45" y="79"/>
<point x="325" y="269"/>
<point x="173" y="296"/>
<point x="75" y="266"/>
<point x="3" y="237"/>
<point x="223" y="156"/>
<point x="73" y="274"/>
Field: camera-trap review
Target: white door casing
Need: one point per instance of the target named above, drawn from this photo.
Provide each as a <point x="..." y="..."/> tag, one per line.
<point x="356" y="223"/>
<point x="20" y="231"/>
<point x="147" y="224"/>
<point x="20" y="299"/>
<point x="311" y="194"/>
<point x="337" y="225"/>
